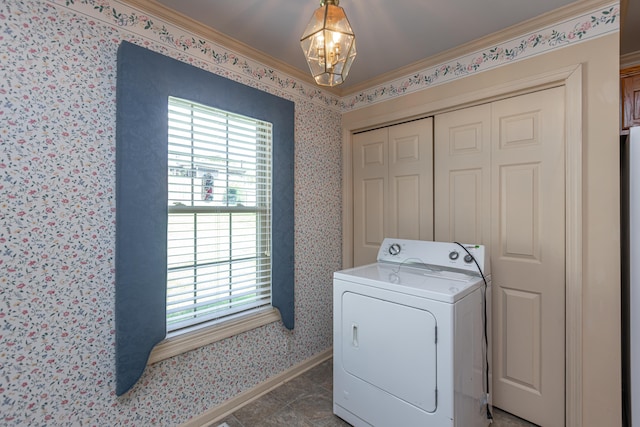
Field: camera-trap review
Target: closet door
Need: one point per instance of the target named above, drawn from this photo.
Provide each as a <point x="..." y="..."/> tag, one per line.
<point x="410" y="207"/>
<point x="463" y="176"/>
<point x="528" y="256"/>
<point x="370" y="176"/>
<point x="392" y="186"/>
<point x="499" y="181"/>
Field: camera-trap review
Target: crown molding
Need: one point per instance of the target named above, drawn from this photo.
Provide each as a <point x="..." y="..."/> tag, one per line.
<point x="630" y="60"/>
<point x="178" y="19"/>
<point x="631" y="71"/>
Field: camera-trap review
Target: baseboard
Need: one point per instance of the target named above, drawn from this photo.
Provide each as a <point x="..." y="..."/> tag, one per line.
<point x="209" y="418"/>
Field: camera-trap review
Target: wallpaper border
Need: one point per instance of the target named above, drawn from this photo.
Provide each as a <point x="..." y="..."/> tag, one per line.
<point x="556" y="36"/>
<point x="597" y="23"/>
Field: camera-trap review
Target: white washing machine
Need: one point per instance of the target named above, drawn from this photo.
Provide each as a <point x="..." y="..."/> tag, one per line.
<point x="411" y="335"/>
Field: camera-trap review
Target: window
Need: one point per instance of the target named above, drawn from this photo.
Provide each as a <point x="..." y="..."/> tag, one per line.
<point x="145" y="81"/>
<point x="219" y="215"/>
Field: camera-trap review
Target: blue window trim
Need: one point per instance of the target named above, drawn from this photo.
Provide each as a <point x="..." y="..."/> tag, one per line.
<point x="145" y="81"/>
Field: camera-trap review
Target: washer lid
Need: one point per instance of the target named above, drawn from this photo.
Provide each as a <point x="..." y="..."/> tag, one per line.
<point x="439" y="285"/>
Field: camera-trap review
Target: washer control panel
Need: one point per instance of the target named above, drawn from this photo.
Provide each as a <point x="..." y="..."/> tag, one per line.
<point x="437" y="254"/>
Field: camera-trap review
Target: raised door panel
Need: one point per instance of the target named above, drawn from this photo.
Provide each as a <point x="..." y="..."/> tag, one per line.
<point x="410" y="209"/>
<point x="465" y="204"/>
<point x="405" y="206"/>
<point x="521" y="329"/>
<point x="520" y="211"/>
<point x="370" y="166"/>
<point x="527" y="255"/>
<point x="373" y="213"/>
<point x="462" y="156"/>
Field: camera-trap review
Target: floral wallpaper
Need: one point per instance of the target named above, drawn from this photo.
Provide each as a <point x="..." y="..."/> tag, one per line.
<point x="196" y="50"/>
<point x="57" y="230"/>
<point x="57" y="211"/>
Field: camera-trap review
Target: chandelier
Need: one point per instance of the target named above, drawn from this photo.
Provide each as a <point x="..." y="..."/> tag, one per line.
<point x="329" y="44"/>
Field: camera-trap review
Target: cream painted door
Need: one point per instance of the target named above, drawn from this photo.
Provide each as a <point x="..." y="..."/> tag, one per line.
<point x="410" y="207"/>
<point x="392" y="186"/>
<point x="519" y="179"/>
<point x="370" y="176"/>
<point x="528" y="256"/>
<point x="462" y="171"/>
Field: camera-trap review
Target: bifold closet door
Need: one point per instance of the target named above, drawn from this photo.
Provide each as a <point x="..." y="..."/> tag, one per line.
<point x="392" y="186"/>
<point x="528" y="255"/>
<point x="463" y="176"/>
<point x="500" y="181"/>
<point x="370" y="176"/>
<point x="410" y="207"/>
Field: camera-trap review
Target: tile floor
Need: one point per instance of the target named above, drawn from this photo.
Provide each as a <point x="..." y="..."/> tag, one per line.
<point x="306" y="401"/>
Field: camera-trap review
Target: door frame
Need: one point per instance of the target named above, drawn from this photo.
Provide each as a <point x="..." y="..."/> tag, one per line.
<point x="571" y="78"/>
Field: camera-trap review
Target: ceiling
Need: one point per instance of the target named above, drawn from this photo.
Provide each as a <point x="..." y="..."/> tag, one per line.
<point x="390" y="34"/>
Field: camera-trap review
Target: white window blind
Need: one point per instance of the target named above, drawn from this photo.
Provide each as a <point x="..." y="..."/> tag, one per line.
<point x="219" y="220"/>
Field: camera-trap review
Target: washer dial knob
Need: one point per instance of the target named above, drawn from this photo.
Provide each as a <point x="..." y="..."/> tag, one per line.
<point x="468" y="259"/>
<point x="453" y="255"/>
<point x="394" y="249"/>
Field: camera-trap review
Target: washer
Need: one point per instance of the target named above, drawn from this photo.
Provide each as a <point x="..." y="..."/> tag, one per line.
<point x="409" y="337"/>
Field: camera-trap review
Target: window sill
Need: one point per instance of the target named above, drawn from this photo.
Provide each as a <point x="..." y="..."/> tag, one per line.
<point x="187" y="341"/>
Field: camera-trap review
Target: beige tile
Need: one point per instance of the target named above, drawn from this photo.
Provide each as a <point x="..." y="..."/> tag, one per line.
<point x="314" y="407"/>
<point x="295" y="389"/>
<point x="321" y="374"/>
<point x="286" y="416"/>
<point x="306" y="401"/>
<point x="258" y="410"/>
<point x="504" y="419"/>
<point x="333" y="421"/>
<point x="230" y="421"/>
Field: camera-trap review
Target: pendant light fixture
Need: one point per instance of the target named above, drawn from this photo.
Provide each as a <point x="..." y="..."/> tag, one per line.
<point x="329" y="44"/>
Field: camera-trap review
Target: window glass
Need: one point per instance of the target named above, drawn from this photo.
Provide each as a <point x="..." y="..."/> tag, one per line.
<point x="219" y="231"/>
